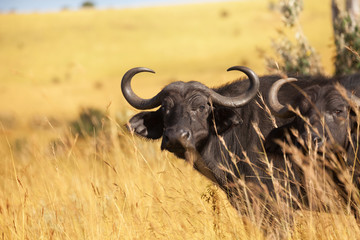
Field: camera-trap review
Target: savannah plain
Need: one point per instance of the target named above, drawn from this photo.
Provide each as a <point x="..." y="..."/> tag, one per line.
<point x="107" y="184"/>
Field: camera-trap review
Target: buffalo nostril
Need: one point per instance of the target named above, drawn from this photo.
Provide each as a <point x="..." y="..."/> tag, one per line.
<point x="185" y="135"/>
<point x="173" y="139"/>
<point x="318" y="141"/>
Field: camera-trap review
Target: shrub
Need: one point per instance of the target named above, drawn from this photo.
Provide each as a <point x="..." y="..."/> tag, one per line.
<point x="347" y="42"/>
<point x="298" y="57"/>
<point x="91" y="122"/>
<point x="87" y="4"/>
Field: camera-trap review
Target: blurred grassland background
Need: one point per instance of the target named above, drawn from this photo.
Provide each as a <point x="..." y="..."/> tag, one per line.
<point x="58" y="185"/>
<point x="56" y="60"/>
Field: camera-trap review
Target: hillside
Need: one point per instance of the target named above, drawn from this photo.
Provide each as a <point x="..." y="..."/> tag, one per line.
<point x="70" y="59"/>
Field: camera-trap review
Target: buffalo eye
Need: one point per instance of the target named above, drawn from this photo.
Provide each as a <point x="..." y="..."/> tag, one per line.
<point x="201" y="108"/>
<point x="338" y="112"/>
<point x="167" y="105"/>
<point x="166" y="109"/>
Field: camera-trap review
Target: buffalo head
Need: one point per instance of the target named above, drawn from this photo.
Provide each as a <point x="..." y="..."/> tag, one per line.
<point x="324" y="112"/>
<point x="189" y="112"/>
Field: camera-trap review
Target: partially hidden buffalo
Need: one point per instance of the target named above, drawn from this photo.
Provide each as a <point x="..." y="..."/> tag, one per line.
<point x="326" y="122"/>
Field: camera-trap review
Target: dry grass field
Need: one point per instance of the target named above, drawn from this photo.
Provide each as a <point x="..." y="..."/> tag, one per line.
<point x="107" y="184"/>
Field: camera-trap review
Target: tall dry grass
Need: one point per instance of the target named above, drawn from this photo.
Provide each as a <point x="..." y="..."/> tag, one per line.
<point x="109" y="184"/>
<point x="113" y="188"/>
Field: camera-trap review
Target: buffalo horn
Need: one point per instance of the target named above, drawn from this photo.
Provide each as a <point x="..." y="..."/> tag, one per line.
<point x="131" y="97"/>
<point x="143" y="104"/>
<point x="279" y="109"/>
<point x="243" y="98"/>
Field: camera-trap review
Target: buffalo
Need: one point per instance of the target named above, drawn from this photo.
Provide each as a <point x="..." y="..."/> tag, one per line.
<point x="191" y="118"/>
<point x="324" y="119"/>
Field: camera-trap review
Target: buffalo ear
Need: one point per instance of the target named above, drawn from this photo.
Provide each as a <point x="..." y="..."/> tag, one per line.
<point x="147" y="124"/>
<point x="280" y="133"/>
<point x="307" y="101"/>
<point x="225" y="118"/>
